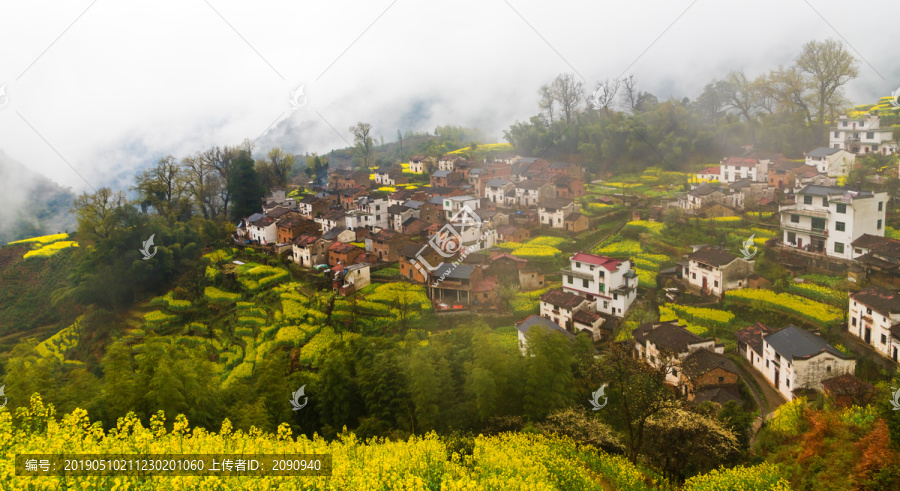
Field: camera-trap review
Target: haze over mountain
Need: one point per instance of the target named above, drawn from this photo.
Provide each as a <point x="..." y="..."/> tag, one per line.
<point x="31" y="204"/>
<point x="110" y="94"/>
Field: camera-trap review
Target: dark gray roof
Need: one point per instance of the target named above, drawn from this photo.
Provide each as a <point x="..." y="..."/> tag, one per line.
<point x="704" y="190"/>
<point x="559" y="165"/>
<point x="459" y="272"/>
<point x="712" y="256"/>
<point x="254" y="217"/>
<point x="541" y="322"/>
<point x="440" y="173"/>
<point x="823" y="152"/>
<point x="793" y="342"/>
<point x="555" y="203"/>
<point x="496" y="183"/>
<point x="436" y="200"/>
<point x="413" y="204"/>
<point x="333" y="233"/>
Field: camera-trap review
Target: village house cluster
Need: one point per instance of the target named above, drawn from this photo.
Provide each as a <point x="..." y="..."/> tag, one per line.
<point x="350" y="229"/>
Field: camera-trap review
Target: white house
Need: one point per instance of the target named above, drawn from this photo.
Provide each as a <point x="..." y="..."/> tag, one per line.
<point x="560" y="307"/>
<point x="352" y="277"/>
<point x="496" y="189"/>
<point x="264" y="230"/>
<point x="455" y="205"/>
<point x="862" y="136"/>
<point x="667" y="344"/>
<point x="530" y="192"/>
<point x="611" y="282"/>
<point x="552" y="212"/>
<point x="448" y="162"/>
<point x="377" y="211"/>
<point x="827" y="219"/>
<point x="710" y="174"/>
<point x="798" y="359"/>
<point x="417" y="164"/>
<point x="715" y="270"/>
<point x="525" y="327"/>
<point x="331" y="220"/>
<point x="831" y="161"/>
<point x="736" y="168"/>
<point x="750" y="346"/>
<point x="875" y="319"/>
<point x="310" y="251"/>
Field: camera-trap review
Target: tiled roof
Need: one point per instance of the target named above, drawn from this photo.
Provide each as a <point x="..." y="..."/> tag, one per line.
<point x="342" y="248"/>
<point x="793" y="342"/>
<point x="752" y="336"/>
<point x="881" y="300"/>
<point x="823" y="152"/>
<point x="586" y="317"/>
<point x="712" y="256"/>
<point x="703" y="361"/>
<point x="541" y="323"/>
<point x="571" y="217"/>
<point x="531" y="184"/>
<point x="668" y="336"/>
<point x="846" y="384"/>
<point x="607" y="262"/>
<point x="559" y="298"/>
<point x="305" y="240"/>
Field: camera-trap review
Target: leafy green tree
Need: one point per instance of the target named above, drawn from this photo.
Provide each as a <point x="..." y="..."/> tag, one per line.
<point x="637" y="392"/>
<point x="548" y="373"/>
<point x="682" y="443"/>
<point x="338" y="400"/>
<point x="246" y="187"/>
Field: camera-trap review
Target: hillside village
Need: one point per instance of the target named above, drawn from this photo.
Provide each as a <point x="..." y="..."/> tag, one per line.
<point x="471" y="232"/>
<point x="651" y="324"/>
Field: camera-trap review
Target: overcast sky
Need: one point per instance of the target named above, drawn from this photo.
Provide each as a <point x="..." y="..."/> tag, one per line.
<point x="128" y="82"/>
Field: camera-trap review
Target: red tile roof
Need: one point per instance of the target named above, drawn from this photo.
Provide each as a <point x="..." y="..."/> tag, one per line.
<point x="607" y="262"/>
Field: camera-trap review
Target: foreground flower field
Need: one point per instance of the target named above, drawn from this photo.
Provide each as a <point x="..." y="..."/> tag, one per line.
<point x="508" y="461"/>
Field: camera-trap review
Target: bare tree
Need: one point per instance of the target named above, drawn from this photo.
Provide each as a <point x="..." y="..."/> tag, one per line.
<point x="221" y="159"/>
<point x="364" y="145"/>
<point x="547" y="103"/>
<point x="631" y="96"/>
<point x="569" y="93"/>
<point x="790" y="91"/>
<point x="163" y="187"/>
<point x="828" y="67"/>
<point x="95" y="213"/>
<point x="739" y="94"/>
<point x="203" y="182"/>
<point x="604" y="96"/>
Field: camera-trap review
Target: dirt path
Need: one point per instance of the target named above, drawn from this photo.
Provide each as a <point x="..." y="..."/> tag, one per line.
<point x="610" y="234"/>
<point x="773" y="398"/>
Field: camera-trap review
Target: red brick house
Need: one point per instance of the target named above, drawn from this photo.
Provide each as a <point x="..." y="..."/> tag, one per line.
<point x="575" y="223"/>
<point x="511" y="233"/>
<point x="386" y="244"/>
<point x="569" y="187"/>
<point x="344" y="179"/>
<point x="343" y="253"/>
